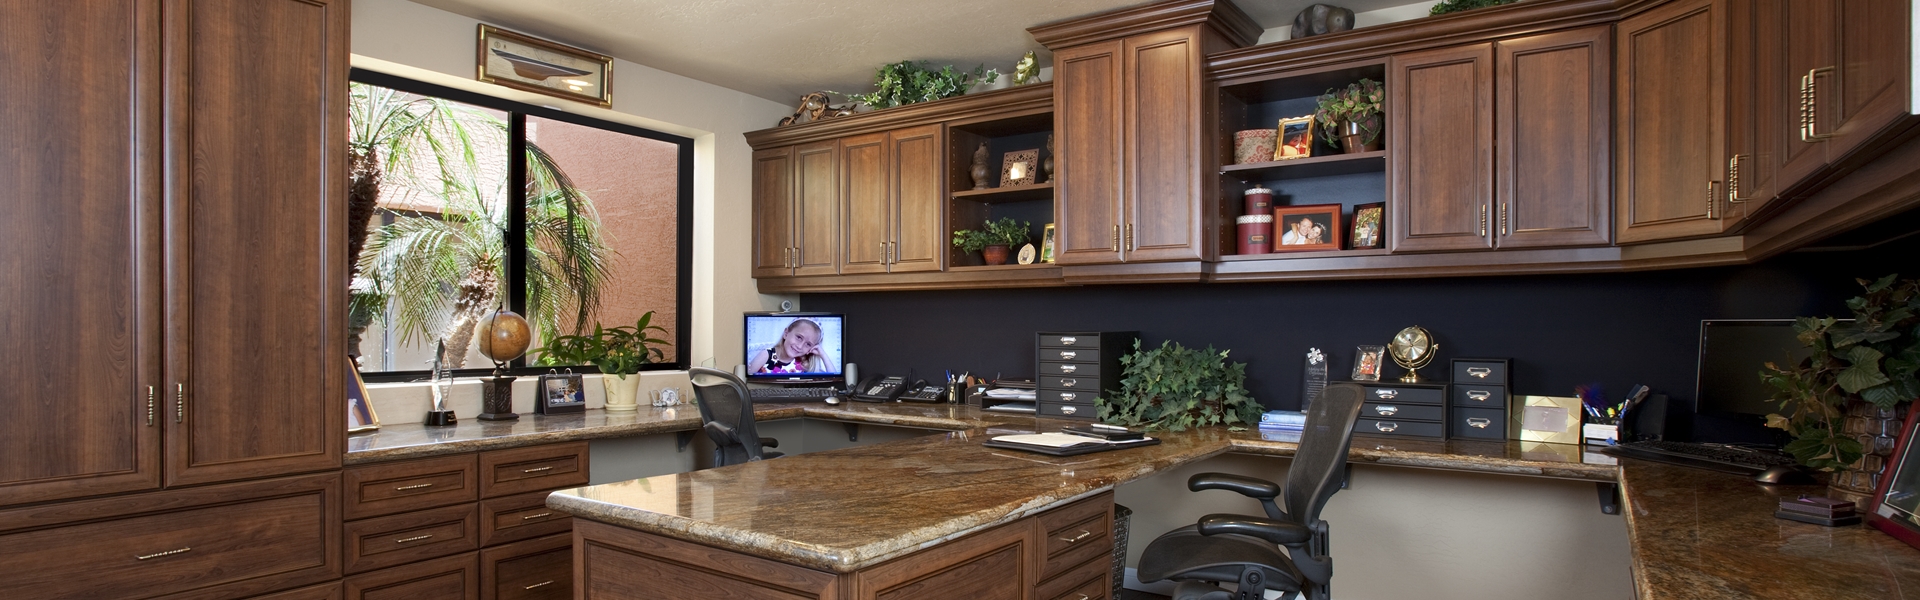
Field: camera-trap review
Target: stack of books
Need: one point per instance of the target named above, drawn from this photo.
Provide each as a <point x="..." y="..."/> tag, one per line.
<point x="1283" y="421"/>
<point x="1817" y="510"/>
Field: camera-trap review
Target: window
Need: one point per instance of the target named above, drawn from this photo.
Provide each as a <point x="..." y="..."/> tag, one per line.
<point x="472" y="203"/>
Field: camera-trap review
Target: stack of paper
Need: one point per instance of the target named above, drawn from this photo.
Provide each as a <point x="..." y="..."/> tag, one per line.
<point x="1012" y="394"/>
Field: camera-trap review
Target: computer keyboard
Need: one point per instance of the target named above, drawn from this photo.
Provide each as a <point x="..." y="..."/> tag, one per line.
<point x="792" y="394"/>
<point x="1718" y="457"/>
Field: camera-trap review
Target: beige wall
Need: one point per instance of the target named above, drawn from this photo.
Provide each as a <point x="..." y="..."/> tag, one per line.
<point x="407" y="39"/>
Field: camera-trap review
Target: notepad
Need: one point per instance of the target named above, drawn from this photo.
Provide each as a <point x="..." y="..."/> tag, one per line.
<point x="1049" y="440"/>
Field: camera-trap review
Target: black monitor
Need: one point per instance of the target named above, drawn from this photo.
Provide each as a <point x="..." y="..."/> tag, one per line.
<point x="1730" y="402"/>
<point x="795" y="347"/>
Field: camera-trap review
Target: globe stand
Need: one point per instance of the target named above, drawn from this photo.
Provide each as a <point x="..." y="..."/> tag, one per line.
<point x="502" y="336"/>
<point x="440" y="418"/>
<point x="496" y="397"/>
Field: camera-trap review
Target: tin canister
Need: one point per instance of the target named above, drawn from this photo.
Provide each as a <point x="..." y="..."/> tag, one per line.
<point x="1255" y="234"/>
<point x="1259" y="201"/>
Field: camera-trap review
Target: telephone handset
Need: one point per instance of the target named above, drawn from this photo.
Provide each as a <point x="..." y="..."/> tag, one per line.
<point x="880" y="388"/>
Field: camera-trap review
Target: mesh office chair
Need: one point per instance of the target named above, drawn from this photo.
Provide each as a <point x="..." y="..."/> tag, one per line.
<point x="1245" y="550"/>
<point x="726" y="412"/>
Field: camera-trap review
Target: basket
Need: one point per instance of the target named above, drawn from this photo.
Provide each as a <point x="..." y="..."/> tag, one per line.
<point x="1120" y="515"/>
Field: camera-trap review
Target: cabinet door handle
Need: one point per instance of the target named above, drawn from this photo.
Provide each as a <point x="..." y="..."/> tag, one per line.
<point x="160" y="554"/>
<point x="179" y="402"/>
<point x="1733" y="180"/>
<point x="1810" y="105"/>
<point x="413" y="487"/>
<point x="1130" y="245"/>
<point x="413" y="539"/>
<point x="538" y="516"/>
<point x="1711" y="201"/>
<point x="153" y="392"/>
<point x="547" y="582"/>
<point x="1083" y="535"/>
<point x="1483" y="220"/>
<point x="536" y="469"/>
<point x="1506" y="209"/>
<point x="1116" y="238"/>
<point x="893" y="252"/>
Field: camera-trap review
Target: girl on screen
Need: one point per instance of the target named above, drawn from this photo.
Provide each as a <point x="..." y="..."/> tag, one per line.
<point x="797" y="351"/>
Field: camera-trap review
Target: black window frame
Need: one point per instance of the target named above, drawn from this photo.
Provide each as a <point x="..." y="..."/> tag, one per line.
<point x="517" y="113"/>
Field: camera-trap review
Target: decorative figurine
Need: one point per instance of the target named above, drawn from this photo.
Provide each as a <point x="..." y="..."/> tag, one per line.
<point x="1316" y="377"/>
<point x="502" y="337"/>
<point x="980" y="167"/>
<point x="814" y="106"/>
<point x="1027" y="70"/>
<point x="1046" y="166"/>
<point x="442" y="386"/>
<point x="1321" y="19"/>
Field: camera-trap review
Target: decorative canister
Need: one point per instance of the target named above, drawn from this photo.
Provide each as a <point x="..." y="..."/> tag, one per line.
<point x="1255" y="234"/>
<point x="1259" y="201"/>
<point x="1254" y="145"/>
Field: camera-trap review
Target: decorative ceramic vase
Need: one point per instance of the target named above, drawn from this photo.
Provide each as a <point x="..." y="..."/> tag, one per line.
<point x="995" y="255"/>
<point x="1362" y="135"/>
<point x="1254" y="145"/>
<point x="621" y="392"/>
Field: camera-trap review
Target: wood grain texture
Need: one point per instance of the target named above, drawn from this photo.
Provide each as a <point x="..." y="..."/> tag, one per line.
<point x="917" y="184"/>
<point x="993" y="564"/>
<point x="392" y="540"/>
<point x="1554" y="123"/>
<point x="325" y="591"/>
<point x="1807" y="40"/>
<point x="990" y="105"/>
<point x="520" y="470"/>
<point x="615" y="562"/>
<point x="1091" y="578"/>
<point x="396" y="487"/>
<point x="1224" y="19"/>
<point x="1762" y="107"/>
<point x="82" y="164"/>
<point x="1669" y="127"/>
<point x="1163" y="150"/>
<point x="537" y="569"/>
<point x="1440" y="149"/>
<point x="1875" y="57"/>
<point x="773" y="212"/>
<point x="1088" y="120"/>
<point x="866" y="207"/>
<point x="452" y="578"/>
<point x="816" y="208"/>
<point x="522" y="517"/>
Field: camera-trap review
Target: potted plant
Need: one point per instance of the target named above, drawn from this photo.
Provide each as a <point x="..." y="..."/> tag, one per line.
<point x="1175" y="387"/>
<point x="1866" y="366"/>
<point x="1351" y="118"/>
<point x="992" y="243"/>
<point x="1454" y="6"/>
<point x="907" y="82"/>
<point x="619" y="352"/>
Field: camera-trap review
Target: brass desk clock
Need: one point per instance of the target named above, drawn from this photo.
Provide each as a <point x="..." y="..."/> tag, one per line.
<point x="1412" y="348"/>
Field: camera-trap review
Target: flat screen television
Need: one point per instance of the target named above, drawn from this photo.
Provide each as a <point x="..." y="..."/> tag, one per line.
<point x="795" y="347"/>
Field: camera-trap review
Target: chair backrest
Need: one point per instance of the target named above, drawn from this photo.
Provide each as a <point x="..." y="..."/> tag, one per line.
<point x="726" y="413"/>
<point x="1317" y="466"/>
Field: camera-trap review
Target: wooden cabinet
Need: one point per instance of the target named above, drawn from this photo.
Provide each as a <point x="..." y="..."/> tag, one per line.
<point x="773" y="212"/>
<point x="452" y="578"/>
<point x="890" y="201"/>
<point x="996" y="563"/>
<point x="1670" y="111"/>
<point x="537" y="569"/>
<point x="538" y="468"/>
<point x="1088" y="186"/>
<point x="865" y="205"/>
<point x="392" y="540"/>
<point x="816" y="208"/>
<point x="1440" y="144"/>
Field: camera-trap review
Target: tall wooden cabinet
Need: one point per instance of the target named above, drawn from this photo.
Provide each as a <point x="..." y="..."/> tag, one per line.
<point x="1087" y="179"/>
<point x="1670" y="121"/>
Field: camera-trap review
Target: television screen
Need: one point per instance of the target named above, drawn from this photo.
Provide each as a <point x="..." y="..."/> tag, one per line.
<point x="794" y="345"/>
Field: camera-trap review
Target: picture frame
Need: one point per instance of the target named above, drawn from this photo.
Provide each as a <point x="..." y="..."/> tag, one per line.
<point x="1046" y="244"/>
<point x="1894" y="507"/>
<point x="1306" y="228"/>
<point x="1552" y="419"/>
<point x="1296" y="138"/>
<point x="560" y="393"/>
<point x="527" y="63"/>
<point x="1368" y="226"/>
<point x="1019" y="167"/>
<point x="360" y="413"/>
<point x="1367" y="362"/>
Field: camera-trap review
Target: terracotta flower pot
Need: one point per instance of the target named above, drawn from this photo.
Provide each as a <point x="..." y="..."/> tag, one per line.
<point x="995" y="255"/>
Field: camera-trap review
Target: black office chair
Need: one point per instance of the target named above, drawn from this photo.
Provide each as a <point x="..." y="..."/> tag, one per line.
<point x="1245" y="550"/>
<point x="726" y="412"/>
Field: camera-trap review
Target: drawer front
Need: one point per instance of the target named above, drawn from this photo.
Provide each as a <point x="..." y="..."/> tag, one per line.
<point x="1475" y="371"/>
<point x="1075" y="533"/>
<point x="390" y="488"/>
<point x="1070" y="383"/>
<point x="1426" y="429"/>
<point x="521" y="517"/>
<point x="398" y="539"/>
<point x="1069" y="411"/>
<point x="1479" y="423"/>
<point x="1408" y="412"/>
<point x="1073" y="514"/>
<point x="1089" y="580"/>
<point x="281" y="541"/>
<point x="537" y="569"/>
<point x="1070" y="369"/>
<point x="1474" y="395"/>
<point x="324" y="591"/>
<point x="1073" y="355"/>
<point x="1070" y="340"/>
<point x="1393" y="395"/>
<point x="1080" y="397"/>
<point x="452" y="578"/>
<point x="522" y="470"/>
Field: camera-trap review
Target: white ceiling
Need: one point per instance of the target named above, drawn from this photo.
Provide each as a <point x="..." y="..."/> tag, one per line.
<point x="780" y="49"/>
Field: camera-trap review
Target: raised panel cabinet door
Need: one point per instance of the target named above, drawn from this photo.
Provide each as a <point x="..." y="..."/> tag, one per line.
<point x="816" y="208"/>
<point x="1669" y="122"/>
<point x="1440" y="148"/>
<point x="1087" y="122"/>
<point x="866" y="214"/>
<point x="82" y="261"/>
<point x="1163" y="147"/>
<point x="773" y="212"/>
<point x="1760" y="115"/>
<point x="920" y="236"/>
<point x="255" y="126"/>
<point x="1875" y="58"/>
<point x="1809" y="50"/>
<point x="1554" y="113"/>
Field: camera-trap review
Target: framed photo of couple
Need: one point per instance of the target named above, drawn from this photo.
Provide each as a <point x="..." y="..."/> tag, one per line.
<point x="1305" y="228"/>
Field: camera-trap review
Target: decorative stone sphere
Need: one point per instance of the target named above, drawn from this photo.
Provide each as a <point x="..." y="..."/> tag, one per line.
<point x="502" y="336"/>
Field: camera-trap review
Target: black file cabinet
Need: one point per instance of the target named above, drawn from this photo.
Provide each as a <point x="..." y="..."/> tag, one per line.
<point x="1076" y="367"/>
<point x="1417" y="410"/>
<point x="1479" y="394"/>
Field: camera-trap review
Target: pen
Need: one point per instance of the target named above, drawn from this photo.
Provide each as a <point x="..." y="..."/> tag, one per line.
<point x="1107" y="427"/>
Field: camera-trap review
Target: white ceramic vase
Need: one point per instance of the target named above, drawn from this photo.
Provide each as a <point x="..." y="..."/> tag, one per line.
<point x="622" y="391"/>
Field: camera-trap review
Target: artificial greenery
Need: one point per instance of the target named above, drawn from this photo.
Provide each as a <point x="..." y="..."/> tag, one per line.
<point x="1872" y="359"/>
<point x="1454" y="6"/>
<point x="1175" y="387"/>
<point x="1361" y="102"/>
<point x="616" y="351"/>
<point x="907" y="82"/>
<point x="1004" y="232"/>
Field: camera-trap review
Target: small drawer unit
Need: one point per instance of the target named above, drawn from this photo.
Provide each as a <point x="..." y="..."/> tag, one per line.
<point x="1075" y="367"/>
<point x="1477" y="398"/>
<point x="1403" y="409"/>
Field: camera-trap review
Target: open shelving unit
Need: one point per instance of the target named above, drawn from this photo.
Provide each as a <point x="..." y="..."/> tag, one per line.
<point x="970" y="208"/>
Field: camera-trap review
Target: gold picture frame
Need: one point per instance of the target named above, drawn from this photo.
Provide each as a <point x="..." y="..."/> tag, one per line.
<point x="360" y="414"/>
<point x="1553" y="419"/>
<point x="1047" y="244"/>
<point x="524" y="62"/>
<point x="1020" y="167"/>
<point x="1296" y="138"/>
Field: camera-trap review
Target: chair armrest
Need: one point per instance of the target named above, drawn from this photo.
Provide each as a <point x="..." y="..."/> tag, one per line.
<point x="1285" y="533"/>
<point x="769" y="442"/>
<point x="1259" y="489"/>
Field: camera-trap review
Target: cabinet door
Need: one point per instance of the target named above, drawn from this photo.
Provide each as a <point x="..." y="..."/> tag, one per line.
<point x="1670" y="130"/>
<point x="773" y="212"/>
<point x="1162" y="141"/>
<point x="816" y="208"/>
<point x="918" y="181"/>
<point x="1760" y="115"/>
<point x="1440" y="140"/>
<point x="1087" y="101"/>
<point x="1554" y="110"/>
<point x="1808" y="50"/>
<point x="255" y="256"/>
<point x="1875" y="55"/>
<point x="865" y="214"/>
<point x="80" y="306"/>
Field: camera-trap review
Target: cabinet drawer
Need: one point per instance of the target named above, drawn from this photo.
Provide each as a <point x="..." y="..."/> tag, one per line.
<point x="1084" y="398"/>
<point x="452" y="578"/>
<point x="1070" y="369"/>
<point x="536" y="569"/>
<point x="1072" y="383"/>
<point x="1071" y="411"/>
<point x="1070" y="340"/>
<point x="1426" y="429"/>
<point x="1072" y="355"/>
<point x="1409" y="412"/>
<point x="1399" y="395"/>
<point x="1089" y="580"/>
<point x="522" y="470"/>
<point x="1479" y="423"/>
<point x="282" y="536"/>
<point x="324" y="591"/>
<point x="1487" y="371"/>
<point x="1073" y="514"/>
<point x="1075" y="533"/>
<point x="397" y="539"/>
<point x="521" y="517"/>
<point x="388" y="488"/>
<point x="1473" y="395"/>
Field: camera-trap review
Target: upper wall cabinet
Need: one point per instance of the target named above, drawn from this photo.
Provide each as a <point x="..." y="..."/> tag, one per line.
<point x="891" y="192"/>
<point x="1671" y="121"/>
<point x="773" y="212"/>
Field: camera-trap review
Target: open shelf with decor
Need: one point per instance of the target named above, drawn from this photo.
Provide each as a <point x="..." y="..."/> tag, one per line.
<point x="1014" y="176"/>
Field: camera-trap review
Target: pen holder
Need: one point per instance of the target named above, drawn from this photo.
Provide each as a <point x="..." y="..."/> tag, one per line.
<point x="1600" y="430"/>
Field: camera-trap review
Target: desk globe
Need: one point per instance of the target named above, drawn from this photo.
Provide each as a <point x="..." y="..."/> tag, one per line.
<point x="501" y="337"/>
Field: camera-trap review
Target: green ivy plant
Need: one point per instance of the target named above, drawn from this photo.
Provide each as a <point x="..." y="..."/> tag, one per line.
<point x="616" y="351"/>
<point x="1175" y="387"/>
<point x="907" y="82"/>
<point x="1872" y="359"/>
<point x="1359" y="102"/>
<point x="1454" y="6"/>
<point x="1004" y="232"/>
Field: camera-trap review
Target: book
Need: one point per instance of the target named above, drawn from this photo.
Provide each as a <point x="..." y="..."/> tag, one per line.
<point x="1817" y="506"/>
<point x="1817" y="519"/>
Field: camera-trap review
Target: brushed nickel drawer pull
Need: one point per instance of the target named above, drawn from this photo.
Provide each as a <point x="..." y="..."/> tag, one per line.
<point x="1067" y="355"/>
<point x="1083" y="535"/>
<point x="537" y="470"/>
<point x="1386" y="427"/>
<point x="1069" y="368"/>
<point x="179" y="402"/>
<point x="1480" y="372"/>
<point x="413" y="539"/>
<point x="1479" y="423"/>
<point x="1389" y="394"/>
<point x="152" y="393"/>
<point x="538" y="516"/>
<point x="1068" y="340"/>
<point x="412" y="487"/>
<point x="160" y="554"/>
<point x="1479" y="395"/>
<point x="547" y="582"/>
<point x="1083" y="597"/>
<point x="1387" y="411"/>
<point x="1068" y="396"/>
<point x="1069" y="382"/>
<point x="1068" y="410"/>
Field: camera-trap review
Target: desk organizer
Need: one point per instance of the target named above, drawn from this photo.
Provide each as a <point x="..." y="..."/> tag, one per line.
<point x="1076" y="367"/>
<point x="1417" y="410"/>
<point x="1479" y="394"/>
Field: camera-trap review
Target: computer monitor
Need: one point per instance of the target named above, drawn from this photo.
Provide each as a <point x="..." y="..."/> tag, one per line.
<point x="1731" y="403"/>
<point x="795" y="347"/>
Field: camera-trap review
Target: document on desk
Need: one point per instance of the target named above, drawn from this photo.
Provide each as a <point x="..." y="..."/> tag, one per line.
<point x="1062" y="444"/>
<point x="1050" y="440"/>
